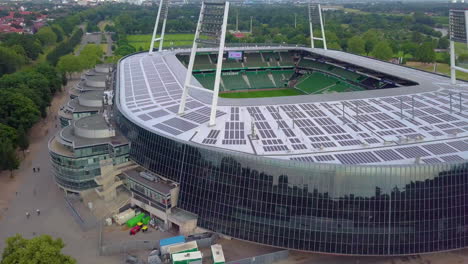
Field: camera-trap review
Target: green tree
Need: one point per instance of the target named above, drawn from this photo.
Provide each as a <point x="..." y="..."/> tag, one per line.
<point x="7" y="133"/>
<point x="90" y="55"/>
<point x="125" y="50"/>
<point x="426" y="53"/>
<point x="10" y="61"/>
<point x="69" y="64"/>
<point x="17" y="110"/>
<point x="356" y="45"/>
<point x="382" y="51"/>
<point x="47" y="36"/>
<point x="8" y="159"/>
<point x="40" y="250"/>
<point x="371" y="38"/>
<point x="23" y="140"/>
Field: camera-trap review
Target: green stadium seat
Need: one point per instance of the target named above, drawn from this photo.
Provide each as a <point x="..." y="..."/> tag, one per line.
<point x="260" y="80"/>
<point x="234" y="82"/>
<point x="206" y="80"/>
<point x="254" y="60"/>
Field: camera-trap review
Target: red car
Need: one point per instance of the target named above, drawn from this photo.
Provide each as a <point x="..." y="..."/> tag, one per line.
<point x="135" y="230"/>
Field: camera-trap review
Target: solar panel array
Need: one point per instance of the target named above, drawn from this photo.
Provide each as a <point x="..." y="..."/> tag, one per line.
<point x="405" y="129"/>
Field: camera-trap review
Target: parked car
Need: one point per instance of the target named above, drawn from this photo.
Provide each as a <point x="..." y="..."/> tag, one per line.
<point x="135" y="230"/>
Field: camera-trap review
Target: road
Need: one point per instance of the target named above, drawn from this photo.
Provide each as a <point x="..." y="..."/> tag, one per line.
<point x="38" y="191"/>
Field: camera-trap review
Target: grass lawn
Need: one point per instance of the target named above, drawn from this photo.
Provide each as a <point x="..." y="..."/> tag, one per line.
<point x="102" y="24"/>
<point x="441" y="68"/>
<point x="104" y="48"/>
<point x="175" y="40"/>
<point x="257" y="94"/>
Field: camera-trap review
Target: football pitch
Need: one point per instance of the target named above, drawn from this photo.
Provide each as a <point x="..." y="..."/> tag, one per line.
<point x="170" y="40"/>
<point x="264" y="93"/>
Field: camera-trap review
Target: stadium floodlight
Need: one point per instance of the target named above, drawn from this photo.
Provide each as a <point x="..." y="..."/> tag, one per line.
<point x="211" y="31"/>
<point x="315" y="17"/>
<point x="458" y="33"/>
<point x="162" y="13"/>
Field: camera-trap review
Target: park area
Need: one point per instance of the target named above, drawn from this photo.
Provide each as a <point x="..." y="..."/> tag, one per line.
<point x="170" y="40"/>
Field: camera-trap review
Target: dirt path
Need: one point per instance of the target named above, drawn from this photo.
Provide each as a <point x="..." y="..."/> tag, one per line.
<point x="38" y="133"/>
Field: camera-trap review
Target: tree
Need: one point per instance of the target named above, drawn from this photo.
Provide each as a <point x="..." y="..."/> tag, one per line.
<point x="8" y="159"/>
<point x="7" y="133"/>
<point x="443" y="43"/>
<point x="40" y="250"/>
<point x="23" y="140"/>
<point x="69" y="64"/>
<point x="125" y="50"/>
<point x="17" y="110"/>
<point x="356" y="45"/>
<point x="10" y="60"/>
<point x="47" y="36"/>
<point x="426" y="53"/>
<point x="371" y="38"/>
<point x="382" y="51"/>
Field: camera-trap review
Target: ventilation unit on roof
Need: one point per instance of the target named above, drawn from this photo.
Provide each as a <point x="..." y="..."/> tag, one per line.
<point x="147" y="176"/>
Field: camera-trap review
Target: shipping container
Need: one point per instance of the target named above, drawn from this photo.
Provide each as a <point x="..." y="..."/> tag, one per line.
<point x="124" y="216"/>
<point x="187" y="258"/>
<point x="181" y="248"/>
<point x="164" y="244"/>
<point x="217" y="254"/>
<point x="134" y="221"/>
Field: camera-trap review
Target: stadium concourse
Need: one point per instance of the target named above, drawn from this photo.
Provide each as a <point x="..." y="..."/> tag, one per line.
<point x="377" y="170"/>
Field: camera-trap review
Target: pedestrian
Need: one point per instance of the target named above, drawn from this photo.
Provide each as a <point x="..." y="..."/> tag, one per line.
<point x="16" y="193"/>
<point x="38" y="211"/>
<point x="34" y="169"/>
<point x="38" y="169"/>
<point x="27" y="215"/>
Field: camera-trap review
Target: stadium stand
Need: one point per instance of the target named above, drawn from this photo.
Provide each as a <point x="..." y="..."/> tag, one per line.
<point x="206" y="80"/>
<point x="371" y="83"/>
<point x="281" y="77"/>
<point x="234" y="82"/>
<point x="260" y="80"/>
<point x="346" y="74"/>
<point x="286" y="59"/>
<point x="254" y="60"/>
<point x="202" y="62"/>
<point x="271" y="57"/>
<point x="314" y="82"/>
<point x="311" y="64"/>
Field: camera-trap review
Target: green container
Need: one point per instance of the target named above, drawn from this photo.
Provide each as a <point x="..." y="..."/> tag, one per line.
<point x="134" y="221"/>
<point x="146" y="220"/>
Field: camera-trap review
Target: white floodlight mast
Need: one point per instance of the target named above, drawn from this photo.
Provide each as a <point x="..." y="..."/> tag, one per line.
<point x="219" y="64"/>
<point x="322" y="28"/>
<point x="156" y="24"/>
<point x="188" y="76"/>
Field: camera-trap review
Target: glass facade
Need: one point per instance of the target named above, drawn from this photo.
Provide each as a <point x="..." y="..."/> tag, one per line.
<point x="354" y="210"/>
<point x="77" y="173"/>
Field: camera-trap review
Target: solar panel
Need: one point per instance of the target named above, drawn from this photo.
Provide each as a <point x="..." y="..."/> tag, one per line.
<point x="439" y="148"/>
<point x="388" y="155"/>
<point x="431" y="160"/>
<point x="168" y="129"/>
<point x="452" y="158"/>
<point x="144" y="117"/>
<point x="357" y="158"/>
<point x="159" y="113"/>
<point x="180" y="124"/>
<point x="412" y="152"/>
<point x="459" y="145"/>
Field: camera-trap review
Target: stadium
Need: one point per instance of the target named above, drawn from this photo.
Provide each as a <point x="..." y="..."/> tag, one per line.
<point x="368" y="160"/>
<point x="307" y="149"/>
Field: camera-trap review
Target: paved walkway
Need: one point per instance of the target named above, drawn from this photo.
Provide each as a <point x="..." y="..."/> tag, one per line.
<point x="38" y="191"/>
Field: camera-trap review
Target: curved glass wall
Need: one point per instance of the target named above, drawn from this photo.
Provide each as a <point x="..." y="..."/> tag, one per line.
<point x="358" y="210"/>
<point x="78" y="173"/>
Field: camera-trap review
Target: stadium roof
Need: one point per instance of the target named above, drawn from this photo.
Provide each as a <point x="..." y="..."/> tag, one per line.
<point x="308" y="128"/>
